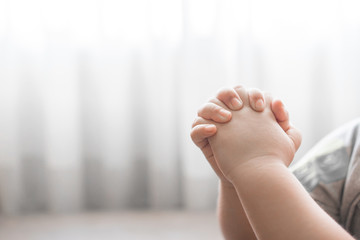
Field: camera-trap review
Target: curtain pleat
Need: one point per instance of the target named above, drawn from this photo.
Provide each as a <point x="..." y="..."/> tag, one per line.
<point x="97" y="97"/>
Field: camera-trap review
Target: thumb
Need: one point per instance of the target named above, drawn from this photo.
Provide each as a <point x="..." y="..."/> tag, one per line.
<point x="295" y="135"/>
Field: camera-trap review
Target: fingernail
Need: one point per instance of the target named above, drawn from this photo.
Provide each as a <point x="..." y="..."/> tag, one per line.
<point x="224" y="115"/>
<point x="259" y="104"/>
<point x="210" y="128"/>
<point x="236" y="103"/>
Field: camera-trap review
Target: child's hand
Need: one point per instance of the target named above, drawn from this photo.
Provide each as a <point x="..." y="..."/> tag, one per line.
<point x="254" y="137"/>
<point x="217" y="109"/>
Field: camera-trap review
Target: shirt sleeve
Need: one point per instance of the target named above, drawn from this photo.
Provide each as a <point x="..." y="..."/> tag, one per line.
<point x="323" y="171"/>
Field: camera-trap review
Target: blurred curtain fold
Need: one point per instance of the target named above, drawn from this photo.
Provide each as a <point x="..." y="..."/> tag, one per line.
<point x="97" y="97"/>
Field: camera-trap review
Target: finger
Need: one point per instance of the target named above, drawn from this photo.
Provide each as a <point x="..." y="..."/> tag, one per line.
<point x="281" y="114"/>
<point x="295" y="136"/>
<point x="219" y="103"/>
<point x="242" y="93"/>
<point x="230" y="98"/>
<point x="256" y="99"/>
<point x="268" y="99"/>
<point x="200" y="120"/>
<point x="200" y="133"/>
<point x="211" y="111"/>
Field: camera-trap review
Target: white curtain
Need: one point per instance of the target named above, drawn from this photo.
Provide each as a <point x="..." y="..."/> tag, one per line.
<point x="97" y="97"/>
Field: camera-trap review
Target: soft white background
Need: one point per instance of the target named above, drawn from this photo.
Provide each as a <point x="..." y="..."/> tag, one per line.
<point x="97" y="97"/>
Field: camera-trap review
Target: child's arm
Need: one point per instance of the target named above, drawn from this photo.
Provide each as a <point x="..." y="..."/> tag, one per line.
<point x="232" y="218"/>
<point x="253" y="152"/>
<point x="278" y="207"/>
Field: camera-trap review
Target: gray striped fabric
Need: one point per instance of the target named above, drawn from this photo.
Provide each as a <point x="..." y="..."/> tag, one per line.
<point x="331" y="174"/>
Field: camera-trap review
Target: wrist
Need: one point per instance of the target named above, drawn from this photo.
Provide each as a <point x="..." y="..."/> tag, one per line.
<point x="254" y="168"/>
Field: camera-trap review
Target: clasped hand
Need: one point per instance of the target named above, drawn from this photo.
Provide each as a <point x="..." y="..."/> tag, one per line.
<point x="250" y="134"/>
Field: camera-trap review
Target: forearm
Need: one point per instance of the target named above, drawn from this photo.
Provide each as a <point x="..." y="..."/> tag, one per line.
<point x="278" y="207"/>
<point x="233" y="220"/>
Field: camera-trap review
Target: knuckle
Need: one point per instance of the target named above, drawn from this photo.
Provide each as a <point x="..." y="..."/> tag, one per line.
<point x="224" y="92"/>
<point x="193" y="134"/>
<point x="223" y="89"/>
<point x="196" y="122"/>
<point x="256" y="93"/>
<point x="238" y="86"/>
<point x="208" y="108"/>
<point x="202" y="109"/>
<point x="214" y="100"/>
<point x="214" y="109"/>
<point x="241" y="91"/>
